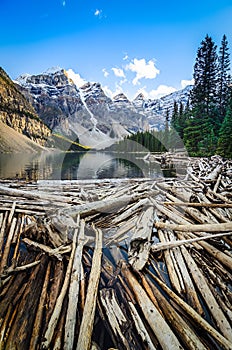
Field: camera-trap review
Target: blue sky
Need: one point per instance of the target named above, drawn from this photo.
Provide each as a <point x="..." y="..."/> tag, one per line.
<point x="129" y="46"/>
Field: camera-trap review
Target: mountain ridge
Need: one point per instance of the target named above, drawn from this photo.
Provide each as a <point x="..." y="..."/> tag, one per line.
<point x="18" y="113"/>
<point x="86" y="111"/>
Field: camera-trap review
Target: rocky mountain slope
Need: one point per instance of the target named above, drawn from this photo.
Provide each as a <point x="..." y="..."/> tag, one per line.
<point x="156" y="110"/>
<point x="12" y="141"/>
<point x="17" y="113"/>
<point x="88" y="113"/>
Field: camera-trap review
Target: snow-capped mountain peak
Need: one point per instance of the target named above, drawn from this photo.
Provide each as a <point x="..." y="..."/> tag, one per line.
<point x="69" y="104"/>
<point x="140" y="97"/>
<point x="53" y="70"/>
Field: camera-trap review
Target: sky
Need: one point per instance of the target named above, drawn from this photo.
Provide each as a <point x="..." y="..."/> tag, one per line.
<point x="128" y="46"/>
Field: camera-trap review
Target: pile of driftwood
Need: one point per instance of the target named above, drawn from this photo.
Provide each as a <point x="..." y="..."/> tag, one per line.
<point x="118" y="264"/>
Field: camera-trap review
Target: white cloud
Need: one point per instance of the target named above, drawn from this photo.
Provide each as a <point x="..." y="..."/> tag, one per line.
<point x="111" y="93"/>
<point x="125" y="57"/>
<point x="123" y="81"/>
<point x="76" y="78"/>
<point x="105" y="73"/>
<point x="142" y="69"/>
<point x="119" y="72"/>
<point x="185" y="83"/>
<point x="161" y="90"/>
<point x="97" y="12"/>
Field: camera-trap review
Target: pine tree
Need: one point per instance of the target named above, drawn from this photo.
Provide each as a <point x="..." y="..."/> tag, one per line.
<point x="223" y="77"/>
<point x="166" y="130"/>
<point x="205" y="77"/>
<point x="203" y="116"/>
<point x="182" y="121"/>
<point x="198" y="127"/>
<point x="225" y="134"/>
<point x="174" y="118"/>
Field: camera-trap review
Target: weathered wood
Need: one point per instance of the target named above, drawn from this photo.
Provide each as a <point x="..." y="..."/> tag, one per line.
<point x="54" y="237"/>
<point x="6" y="251"/>
<point x="199" y="321"/>
<point x="120" y="233"/>
<point x="57" y="310"/>
<point x="163" y="332"/>
<point x="58" y="336"/>
<point x="172" y="214"/>
<point x="217" y="183"/>
<point x="11" y="214"/>
<point x="116" y="318"/>
<point x="130" y="211"/>
<point x="181" y="328"/>
<point x="11" y="270"/>
<point x="86" y="328"/>
<point x="36" y="332"/>
<point x="214" y="174"/>
<point x="57" y="252"/>
<point x="103" y="206"/>
<point x="170" y="267"/>
<point x="218" y="195"/>
<point x="1" y="219"/>
<point x="173" y="244"/>
<point x="4" y="327"/>
<point x="141" y="329"/>
<point x="32" y="194"/>
<point x="148" y="287"/>
<point x="198" y="205"/>
<point x="116" y="208"/>
<point x="73" y="294"/>
<point x="20" y="333"/>
<point x="206" y="293"/>
<point x="141" y="240"/>
<point x="225" y="259"/>
<point x="3" y="232"/>
<point x="224" y="227"/>
<point x="55" y="288"/>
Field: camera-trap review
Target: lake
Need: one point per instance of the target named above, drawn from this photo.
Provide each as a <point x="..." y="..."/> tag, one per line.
<point x="76" y="166"/>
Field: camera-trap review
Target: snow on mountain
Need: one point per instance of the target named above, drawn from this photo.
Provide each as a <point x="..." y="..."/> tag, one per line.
<point x="86" y="112"/>
<point x="156" y="110"/>
<point x="53" y="70"/>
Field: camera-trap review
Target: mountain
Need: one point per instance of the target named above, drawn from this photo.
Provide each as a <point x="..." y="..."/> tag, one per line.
<point x="12" y="141"/>
<point x="88" y="113"/>
<point x="17" y="113"/>
<point x="155" y="110"/>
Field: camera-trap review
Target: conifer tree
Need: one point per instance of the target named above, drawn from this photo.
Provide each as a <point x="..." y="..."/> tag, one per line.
<point x="174" y="119"/>
<point x="205" y="76"/>
<point x="225" y="134"/>
<point x="203" y="115"/>
<point x="166" y="130"/>
<point x="223" y="77"/>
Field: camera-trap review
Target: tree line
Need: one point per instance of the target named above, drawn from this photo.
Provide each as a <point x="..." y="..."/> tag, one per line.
<point x="204" y="125"/>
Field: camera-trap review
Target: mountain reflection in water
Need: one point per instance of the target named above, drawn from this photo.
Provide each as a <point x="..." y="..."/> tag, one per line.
<point x="75" y="166"/>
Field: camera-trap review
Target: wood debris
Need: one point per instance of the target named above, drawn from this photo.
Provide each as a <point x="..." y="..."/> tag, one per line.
<point x="118" y="264"/>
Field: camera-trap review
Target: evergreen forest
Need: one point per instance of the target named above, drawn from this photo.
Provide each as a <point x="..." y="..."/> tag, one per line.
<point x="204" y="125"/>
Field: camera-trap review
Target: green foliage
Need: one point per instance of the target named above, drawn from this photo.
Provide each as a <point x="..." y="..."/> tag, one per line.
<point x="205" y="75"/>
<point x="154" y="141"/>
<point x="200" y="124"/>
<point x="225" y="135"/>
<point x="224" y="78"/>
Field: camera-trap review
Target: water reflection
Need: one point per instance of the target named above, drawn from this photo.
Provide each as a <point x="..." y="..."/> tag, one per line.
<point x="19" y="166"/>
<point x="74" y="166"/>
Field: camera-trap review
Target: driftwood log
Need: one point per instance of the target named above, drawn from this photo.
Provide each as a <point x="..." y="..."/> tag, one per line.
<point x="119" y="264"/>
